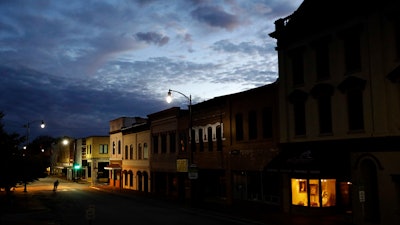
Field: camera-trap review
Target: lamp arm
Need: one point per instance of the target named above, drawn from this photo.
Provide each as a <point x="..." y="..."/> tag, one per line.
<point x="188" y="98"/>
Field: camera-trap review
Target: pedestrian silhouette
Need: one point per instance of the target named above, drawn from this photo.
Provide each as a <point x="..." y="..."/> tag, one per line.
<point x="55" y="185"/>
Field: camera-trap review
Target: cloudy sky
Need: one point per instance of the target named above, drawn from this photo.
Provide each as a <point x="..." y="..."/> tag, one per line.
<point x="79" y="64"/>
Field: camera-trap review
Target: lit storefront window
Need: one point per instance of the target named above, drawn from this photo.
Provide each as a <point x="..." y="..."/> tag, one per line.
<point x="314" y="192"/>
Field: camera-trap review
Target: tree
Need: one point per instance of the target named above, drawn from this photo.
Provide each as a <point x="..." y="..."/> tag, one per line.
<point x="9" y="147"/>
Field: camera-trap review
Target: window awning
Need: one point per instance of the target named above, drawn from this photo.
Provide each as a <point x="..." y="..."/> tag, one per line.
<point x="113" y="167"/>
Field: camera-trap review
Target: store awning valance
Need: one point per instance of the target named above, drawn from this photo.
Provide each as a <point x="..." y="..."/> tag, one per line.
<point x="113" y="167"/>
<point x="314" y="160"/>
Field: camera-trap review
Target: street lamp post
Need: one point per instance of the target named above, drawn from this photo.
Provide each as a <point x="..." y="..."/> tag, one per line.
<point x="192" y="168"/>
<point x="189" y="98"/>
<point x="27" y="126"/>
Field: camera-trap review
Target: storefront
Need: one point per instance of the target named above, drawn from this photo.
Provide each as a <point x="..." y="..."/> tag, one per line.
<point x="316" y="177"/>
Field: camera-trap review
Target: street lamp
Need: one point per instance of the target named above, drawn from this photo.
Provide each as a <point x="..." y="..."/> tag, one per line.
<point x="189" y="98"/>
<point x="27" y="126"/>
<point x="192" y="168"/>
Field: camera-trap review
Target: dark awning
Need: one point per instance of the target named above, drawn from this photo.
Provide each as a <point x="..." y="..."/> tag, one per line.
<point x="322" y="160"/>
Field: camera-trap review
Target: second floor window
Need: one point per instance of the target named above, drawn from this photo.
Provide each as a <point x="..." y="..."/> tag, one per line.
<point x="126" y="152"/>
<point x="201" y="142"/>
<point x="355" y="110"/>
<point x="155" y="144"/>
<point x="145" y="151"/>
<point x="219" y="138"/>
<point x="267" y="123"/>
<point x="253" y="125"/>
<point x="103" y="149"/>
<point x="353" y="88"/>
<point x="352" y="52"/>
<point x="322" y="60"/>
<point x="299" y="118"/>
<point x="119" y="147"/>
<point x="298" y="99"/>
<point x="172" y="142"/>
<point x="323" y="94"/>
<point x="131" y="151"/>
<point x="163" y="143"/>
<point x="210" y="140"/>
<point x="298" y="68"/>
<point x="239" y="127"/>
<point x="139" y="151"/>
<point x="113" y="146"/>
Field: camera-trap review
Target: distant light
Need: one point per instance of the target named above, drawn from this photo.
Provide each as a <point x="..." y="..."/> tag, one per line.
<point x="42" y="150"/>
<point x="65" y="141"/>
<point x="43" y="125"/>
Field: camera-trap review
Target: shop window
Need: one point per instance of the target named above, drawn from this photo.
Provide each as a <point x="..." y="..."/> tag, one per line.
<point x="299" y="192"/>
<point x="314" y="192"/>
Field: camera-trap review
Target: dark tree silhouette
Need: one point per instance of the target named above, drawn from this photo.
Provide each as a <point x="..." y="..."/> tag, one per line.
<point x="21" y="166"/>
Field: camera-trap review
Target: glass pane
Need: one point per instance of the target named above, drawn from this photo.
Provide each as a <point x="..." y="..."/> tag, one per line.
<point x="314" y="193"/>
<point x="299" y="192"/>
<point x="328" y="193"/>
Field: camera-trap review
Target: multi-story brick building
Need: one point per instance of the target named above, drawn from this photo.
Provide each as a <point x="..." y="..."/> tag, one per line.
<point x="116" y="144"/>
<point x="339" y="109"/>
<point x="170" y="156"/>
<point x="136" y="156"/>
<point x="234" y="137"/>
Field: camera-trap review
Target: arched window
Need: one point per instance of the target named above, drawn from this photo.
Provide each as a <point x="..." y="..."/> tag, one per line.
<point x="119" y="147"/>
<point x="131" y="151"/>
<point x="139" y="153"/>
<point x="145" y="151"/>
<point x="130" y="178"/>
<point x="126" y="152"/>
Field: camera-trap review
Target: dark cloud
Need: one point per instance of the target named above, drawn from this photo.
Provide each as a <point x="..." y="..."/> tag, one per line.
<point x="243" y="47"/>
<point x="152" y="38"/>
<point x="79" y="64"/>
<point x="215" y="17"/>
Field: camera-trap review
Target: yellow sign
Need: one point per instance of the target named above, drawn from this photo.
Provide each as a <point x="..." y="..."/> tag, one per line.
<point x="182" y="165"/>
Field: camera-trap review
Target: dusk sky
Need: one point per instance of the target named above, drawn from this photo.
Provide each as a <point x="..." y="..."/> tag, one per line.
<point x="79" y="64"/>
